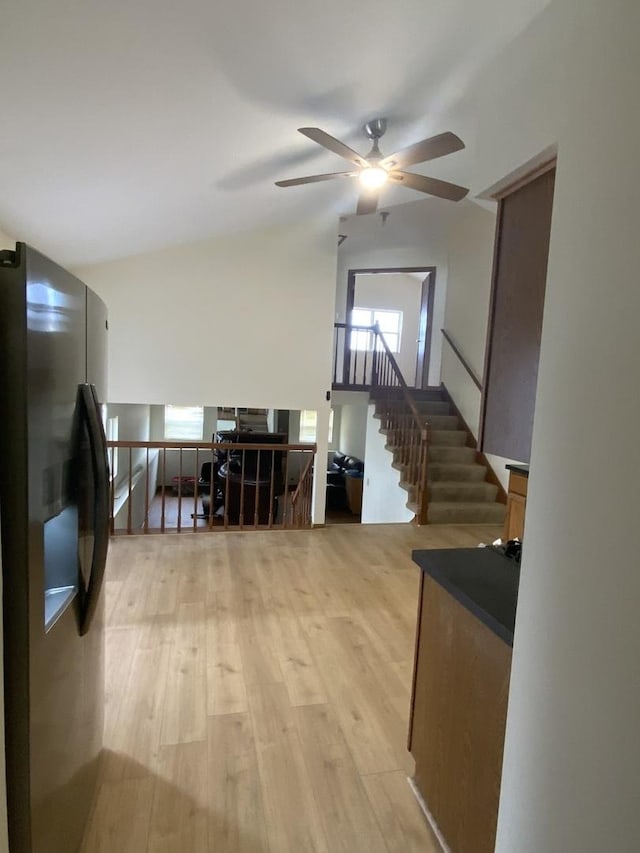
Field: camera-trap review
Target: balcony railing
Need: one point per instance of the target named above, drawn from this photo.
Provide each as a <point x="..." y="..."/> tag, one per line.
<point x="176" y="487"/>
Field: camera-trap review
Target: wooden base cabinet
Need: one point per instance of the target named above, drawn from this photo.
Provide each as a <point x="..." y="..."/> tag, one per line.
<point x="516" y="506"/>
<point x="458" y="717"/>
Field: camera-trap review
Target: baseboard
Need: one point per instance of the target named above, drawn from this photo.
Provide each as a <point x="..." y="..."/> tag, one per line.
<point x="430" y="818"/>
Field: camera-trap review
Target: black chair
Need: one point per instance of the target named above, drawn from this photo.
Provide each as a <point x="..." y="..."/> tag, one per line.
<point x="210" y="488"/>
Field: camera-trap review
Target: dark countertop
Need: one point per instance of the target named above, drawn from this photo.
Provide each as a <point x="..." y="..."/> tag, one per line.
<point x="481" y="579"/>
<point x="518" y="468"/>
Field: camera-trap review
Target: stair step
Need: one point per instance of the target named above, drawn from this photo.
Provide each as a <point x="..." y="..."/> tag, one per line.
<point x="434" y="392"/>
<point x="448" y="437"/>
<point x="433" y="407"/>
<point x="459" y="455"/>
<point x="442" y="422"/>
<point x="452" y="472"/>
<point x="476" y="492"/>
<point x="471" y="512"/>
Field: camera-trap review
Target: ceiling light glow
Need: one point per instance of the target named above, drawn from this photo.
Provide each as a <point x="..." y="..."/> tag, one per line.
<point x="373" y="177"/>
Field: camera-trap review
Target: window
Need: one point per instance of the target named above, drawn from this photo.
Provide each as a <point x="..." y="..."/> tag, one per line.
<point x="308" y="426"/>
<point x="183" y="423"/>
<point x="390" y="323"/>
<point x="112" y="454"/>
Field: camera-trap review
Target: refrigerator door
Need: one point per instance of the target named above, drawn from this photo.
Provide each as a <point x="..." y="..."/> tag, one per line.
<point x="53" y="676"/>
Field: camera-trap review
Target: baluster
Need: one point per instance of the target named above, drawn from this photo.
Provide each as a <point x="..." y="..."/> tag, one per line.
<point x="164" y="477"/>
<point x="272" y="489"/>
<point x="113" y="491"/>
<point x="129" y="502"/>
<point x="195" y="490"/>
<point x="180" y="492"/>
<point x="241" y="517"/>
<point x="146" y="493"/>
<point x="256" y="496"/>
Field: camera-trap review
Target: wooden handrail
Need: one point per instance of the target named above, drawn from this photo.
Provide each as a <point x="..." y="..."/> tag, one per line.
<point x="463" y="360"/>
<point x="296" y="495"/>
<point x="211" y="445"/>
<point x="405" y="388"/>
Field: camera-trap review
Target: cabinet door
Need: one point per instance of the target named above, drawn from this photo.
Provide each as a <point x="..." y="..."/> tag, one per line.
<point x="514" y="525"/>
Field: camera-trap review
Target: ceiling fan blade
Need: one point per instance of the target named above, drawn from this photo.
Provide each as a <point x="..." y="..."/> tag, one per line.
<point x="427" y="149"/>
<point x="313" y="179"/>
<point x="432" y="186"/>
<point x="367" y="201"/>
<point x="333" y="144"/>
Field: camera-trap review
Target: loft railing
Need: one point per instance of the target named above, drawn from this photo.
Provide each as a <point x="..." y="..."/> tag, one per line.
<point x="363" y="361"/>
<point x="176" y="487"/>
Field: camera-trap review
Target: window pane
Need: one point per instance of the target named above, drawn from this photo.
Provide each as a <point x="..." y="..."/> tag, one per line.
<point x="183" y="423"/>
<point x="308" y="421"/>
<point x="361" y="317"/>
<point x="389" y="321"/>
<point x="309" y="425"/>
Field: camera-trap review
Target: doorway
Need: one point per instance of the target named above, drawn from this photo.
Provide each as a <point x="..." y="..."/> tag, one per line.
<point x="400" y="300"/>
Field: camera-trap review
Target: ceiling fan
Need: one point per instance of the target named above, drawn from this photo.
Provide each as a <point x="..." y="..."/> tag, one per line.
<point x="375" y="170"/>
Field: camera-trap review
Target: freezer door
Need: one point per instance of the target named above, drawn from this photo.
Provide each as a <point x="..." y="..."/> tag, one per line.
<point x="54" y="675"/>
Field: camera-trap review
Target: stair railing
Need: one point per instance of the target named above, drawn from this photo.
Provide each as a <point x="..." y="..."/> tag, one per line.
<point x="407" y="430"/>
<point x="300" y="510"/>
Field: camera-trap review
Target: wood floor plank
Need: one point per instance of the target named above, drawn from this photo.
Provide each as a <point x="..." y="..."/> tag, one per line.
<point x="120" y="642"/>
<point x="120" y="819"/>
<point x="236" y="815"/>
<point x="179" y="817"/>
<point x="403" y="825"/>
<point x="184" y="718"/>
<point x="292" y="819"/>
<point x="226" y="689"/>
<point x="137" y="733"/>
<point x="347" y="815"/>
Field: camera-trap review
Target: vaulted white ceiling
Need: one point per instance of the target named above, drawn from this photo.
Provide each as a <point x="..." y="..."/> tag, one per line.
<point x="129" y="125"/>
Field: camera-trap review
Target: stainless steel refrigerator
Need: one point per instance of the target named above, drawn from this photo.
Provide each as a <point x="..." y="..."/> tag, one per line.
<point x="54" y="485"/>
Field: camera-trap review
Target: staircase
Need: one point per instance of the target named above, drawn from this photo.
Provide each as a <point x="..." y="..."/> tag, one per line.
<point x="458" y="489"/>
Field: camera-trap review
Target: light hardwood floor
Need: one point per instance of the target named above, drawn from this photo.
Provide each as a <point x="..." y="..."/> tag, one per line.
<point x="257" y="692"/>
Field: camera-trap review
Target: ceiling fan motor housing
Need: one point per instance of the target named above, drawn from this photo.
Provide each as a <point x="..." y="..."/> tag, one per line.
<point x="376" y="128"/>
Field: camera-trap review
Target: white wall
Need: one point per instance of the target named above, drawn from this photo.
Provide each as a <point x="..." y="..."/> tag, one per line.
<point x="572" y="753"/>
<point x="244" y="320"/>
<point x="383" y="501"/>
<point x="6" y="242"/>
<point x="353" y="422"/>
<point x="399" y="292"/>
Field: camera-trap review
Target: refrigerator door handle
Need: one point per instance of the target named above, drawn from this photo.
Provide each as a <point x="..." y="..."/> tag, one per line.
<point x="100" y="469"/>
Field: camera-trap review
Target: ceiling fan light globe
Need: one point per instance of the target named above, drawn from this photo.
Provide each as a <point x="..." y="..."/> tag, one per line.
<point x="373" y="177"/>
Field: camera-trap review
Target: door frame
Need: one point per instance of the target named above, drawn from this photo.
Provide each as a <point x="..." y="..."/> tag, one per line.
<point x="425" y="329"/>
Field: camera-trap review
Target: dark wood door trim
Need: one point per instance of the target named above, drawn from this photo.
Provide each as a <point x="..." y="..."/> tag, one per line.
<point x="425" y="330"/>
<point x="501" y="299"/>
<point x="429" y="272"/>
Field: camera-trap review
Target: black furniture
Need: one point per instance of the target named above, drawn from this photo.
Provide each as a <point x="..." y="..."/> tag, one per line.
<point x="337" y="468"/>
<point x="247" y="482"/>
